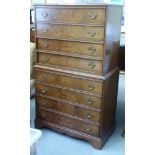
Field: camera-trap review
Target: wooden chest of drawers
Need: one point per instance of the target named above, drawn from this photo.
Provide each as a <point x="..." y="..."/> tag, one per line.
<point x="77" y="69"/>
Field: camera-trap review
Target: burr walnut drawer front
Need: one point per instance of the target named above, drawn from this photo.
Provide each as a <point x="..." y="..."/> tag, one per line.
<point x="67" y="121"/>
<point x="82" y="64"/>
<point x="68" y="95"/>
<point x="89" y="33"/>
<point x="72" y="47"/>
<point x="71" y="15"/>
<point x="66" y="80"/>
<point x="74" y="110"/>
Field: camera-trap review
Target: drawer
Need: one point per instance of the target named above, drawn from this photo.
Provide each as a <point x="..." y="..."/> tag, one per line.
<point x="68" y="108"/>
<point x="72" y="47"/>
<point x="69" y="81"/>
<point x="71" y="15"/>
<point x="89" y="33"/>
<point x="87" y="65"/>
<point x="68" y="95"/>
<point x="68" y="122"/>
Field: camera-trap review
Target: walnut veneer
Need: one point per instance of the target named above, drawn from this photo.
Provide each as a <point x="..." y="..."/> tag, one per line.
<point x="77" y="69"/>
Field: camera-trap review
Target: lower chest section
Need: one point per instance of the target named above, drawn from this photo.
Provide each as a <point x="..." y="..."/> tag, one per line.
<point x="70" y="101"/>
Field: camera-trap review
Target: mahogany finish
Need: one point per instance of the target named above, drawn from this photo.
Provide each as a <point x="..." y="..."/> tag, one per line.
<point x="76" y="76"/>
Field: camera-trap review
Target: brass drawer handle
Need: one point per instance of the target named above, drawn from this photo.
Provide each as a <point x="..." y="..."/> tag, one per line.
<point x="46" y="45"/>
<point x="92" y="15"/>
<point x="92" y="33"/>
<point x="91" y="49"/>
<point x="89" y="115"/>
<point x="90" y="101"/>
<point x="91" y="86"/>
<point x="89" y="129"/>
<point x="43" y="115"/>
<point x="44" y="90"/>
<point x="92" y="64"/>
<point x="44" y="30"/>
<point x="44" y="14"/>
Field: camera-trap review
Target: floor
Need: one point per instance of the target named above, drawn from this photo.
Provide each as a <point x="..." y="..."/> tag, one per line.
<point x="53" y="143"/>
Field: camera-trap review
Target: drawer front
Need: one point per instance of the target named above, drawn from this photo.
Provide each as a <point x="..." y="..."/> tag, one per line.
<point x="68" y="108"/>
<point x="94" y="50"/>
<point x="89" y="33"/>
<point x="68" y="95"/>
<point x="86" y="65"/>
<point x="68" y="81"/>
<point x="71" y="15"/>
<point x="68" y="122"/>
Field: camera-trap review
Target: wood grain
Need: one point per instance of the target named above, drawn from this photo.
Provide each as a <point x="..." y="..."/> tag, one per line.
<point x="82" y="49"/>
<point x="79" y="83"/>
<point x="78" y="111"/>
<point x="66" y="31"/>
<point x="85" y="65"/>
<point x="68" y="122"/>
<point x="62" y="93"/>
<point x="76" y="76"/>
